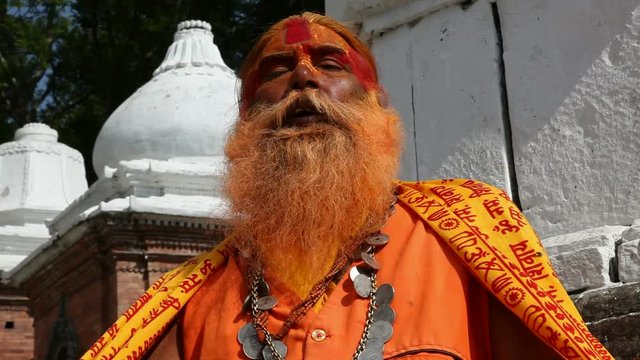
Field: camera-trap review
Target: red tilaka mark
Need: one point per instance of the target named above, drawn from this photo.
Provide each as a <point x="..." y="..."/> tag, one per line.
<point x="297" y="30"/>
<point x="365" y="72"/>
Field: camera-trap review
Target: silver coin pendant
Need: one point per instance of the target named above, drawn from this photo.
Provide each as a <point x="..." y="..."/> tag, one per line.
<point x="381" y="330"/>
<point x="385" y="313"/>
<point x="252" y="347"/>
<point x="362" y="284"/>
<point x="246" y="332"/>
<point x="266" y="303"/>
<point x="378" y="239"/>
<point x="369" y="354"/>
<point x="384" y="294"/>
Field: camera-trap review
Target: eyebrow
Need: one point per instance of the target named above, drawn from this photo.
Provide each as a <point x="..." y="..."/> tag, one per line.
<point x="275" y="56"/>
<point x="321" y="49"/>
<point x="328" y="49"/>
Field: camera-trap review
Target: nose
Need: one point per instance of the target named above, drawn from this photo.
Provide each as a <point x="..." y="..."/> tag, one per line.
<point x="303" y="76"/>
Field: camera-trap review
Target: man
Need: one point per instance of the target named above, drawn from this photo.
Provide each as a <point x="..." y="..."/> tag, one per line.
<point x="323" y="263"/>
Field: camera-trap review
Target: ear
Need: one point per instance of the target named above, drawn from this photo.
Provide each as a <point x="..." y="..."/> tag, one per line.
<point x="243" y="109"/>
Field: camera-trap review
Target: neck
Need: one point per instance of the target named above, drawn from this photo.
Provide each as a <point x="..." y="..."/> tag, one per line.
<point x="300" y="269"/>
<point x="299" y="278"/>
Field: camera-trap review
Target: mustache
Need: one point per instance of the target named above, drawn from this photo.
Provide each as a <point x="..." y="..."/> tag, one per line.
<point x="274" y="116"/>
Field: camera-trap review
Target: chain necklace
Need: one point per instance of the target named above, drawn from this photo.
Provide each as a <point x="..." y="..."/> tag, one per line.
<point x="377" y="330"/>
<point x="378" y="327"/>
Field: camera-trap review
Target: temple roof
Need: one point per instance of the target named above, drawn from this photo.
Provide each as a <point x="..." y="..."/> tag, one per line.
<point x="183" y="112"/>
<point x="39" y="177"/>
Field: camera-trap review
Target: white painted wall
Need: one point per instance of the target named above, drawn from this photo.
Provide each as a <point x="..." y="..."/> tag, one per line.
<point x="571" y="96"/>
<point x="449" y="100"/>
<point x="574" y="91"/>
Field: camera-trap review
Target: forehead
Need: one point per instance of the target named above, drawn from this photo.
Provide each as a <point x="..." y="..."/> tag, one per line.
<point x="298" y="33"/>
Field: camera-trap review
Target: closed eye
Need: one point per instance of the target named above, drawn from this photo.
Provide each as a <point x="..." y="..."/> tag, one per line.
<point x="275" y="73"/>
<point x="330" y="65"/>
<point x="274" y="65"/>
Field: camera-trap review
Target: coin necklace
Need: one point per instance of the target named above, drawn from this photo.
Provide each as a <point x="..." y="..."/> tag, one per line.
<point x="378" y="328"/>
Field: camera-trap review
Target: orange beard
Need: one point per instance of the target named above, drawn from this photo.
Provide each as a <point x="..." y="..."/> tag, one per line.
<point x="301" y="196"/>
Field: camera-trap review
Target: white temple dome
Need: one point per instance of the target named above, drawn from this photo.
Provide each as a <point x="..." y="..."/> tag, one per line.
<point x="39" y="176"/>
<point x="183" y="112"/>
<point x="36" y="132"/>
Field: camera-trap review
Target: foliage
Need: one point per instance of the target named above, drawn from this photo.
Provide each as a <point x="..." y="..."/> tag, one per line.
<point x="30" y="33"/>
<point x="71" y="63"/>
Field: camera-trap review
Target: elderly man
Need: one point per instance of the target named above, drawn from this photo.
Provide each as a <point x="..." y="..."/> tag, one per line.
<point x="330" y="257"/>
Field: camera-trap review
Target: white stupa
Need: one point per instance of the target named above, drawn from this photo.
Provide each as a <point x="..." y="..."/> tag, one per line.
<point x="39" y="177"/>
<point x="161" y="151"/>
<point x="157" y="201"/>
<point x="182" y="113"/>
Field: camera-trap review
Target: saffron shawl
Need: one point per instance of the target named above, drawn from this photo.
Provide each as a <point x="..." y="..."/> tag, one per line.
<point x="478" y="222"/>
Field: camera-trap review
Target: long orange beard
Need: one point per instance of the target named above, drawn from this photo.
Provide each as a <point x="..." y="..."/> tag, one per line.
<point x="301" y="196"/>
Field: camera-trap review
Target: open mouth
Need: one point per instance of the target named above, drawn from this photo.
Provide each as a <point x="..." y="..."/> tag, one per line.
<point x="303" y="113"/>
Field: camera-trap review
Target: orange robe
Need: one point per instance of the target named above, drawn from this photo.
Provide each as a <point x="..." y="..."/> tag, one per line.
<point x="440" y="308"/>
<point x="478" y="229"/>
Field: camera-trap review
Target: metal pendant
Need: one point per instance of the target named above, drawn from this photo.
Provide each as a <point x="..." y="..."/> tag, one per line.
<point x="385" y="313"/>
<point x="376" y="345"/>
<point x="362" y="284"/>
<point x="246" y="332"/>
<point x="357" y="252"/>
<point x="246" y="304"/>
<point x="380" y="316"/>
<point x="266" y="303"/>
<point x="370" y="260"/>
<point x="369" y="354"/>
<point x="377" y="240"/>
<point x="359" y="269"/>
<point x="263" y="288"/>
<point x="353" y="272"/>
<point x="381" y="330"/>
<point x="252" y="347"/>
<point x="384" y="294"/>
<point x="280" y="348"/>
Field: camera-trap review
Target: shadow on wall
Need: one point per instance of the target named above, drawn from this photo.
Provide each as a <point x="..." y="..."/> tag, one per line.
<point x="570" y="88"/>
<point x="573" y="79"/>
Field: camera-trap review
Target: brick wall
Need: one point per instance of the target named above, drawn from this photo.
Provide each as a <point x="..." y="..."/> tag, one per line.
<point x="130" y="284"/>
<point x="16" y="333"/>
<point x="43" y="323"/>
<point x="104" y="271"/>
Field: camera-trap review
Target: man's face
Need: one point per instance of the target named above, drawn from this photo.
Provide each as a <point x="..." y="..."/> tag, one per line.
<point x="307" y="57"/>
<point x="311" y="143"/>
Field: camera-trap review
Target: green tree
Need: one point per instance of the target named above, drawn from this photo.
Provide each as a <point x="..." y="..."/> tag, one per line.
<point x="75" y="62"/>
<point x="30" y="33"/>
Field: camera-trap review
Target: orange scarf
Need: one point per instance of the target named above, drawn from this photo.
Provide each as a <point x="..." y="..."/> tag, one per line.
<point x="477" y="221"/>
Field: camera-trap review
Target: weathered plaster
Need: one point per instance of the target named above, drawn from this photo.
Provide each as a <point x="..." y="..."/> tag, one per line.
<point x="573" y="80"/>
<point x="450" y="102"/>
